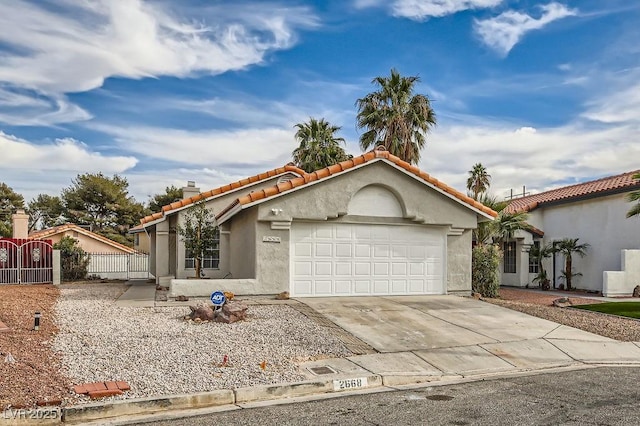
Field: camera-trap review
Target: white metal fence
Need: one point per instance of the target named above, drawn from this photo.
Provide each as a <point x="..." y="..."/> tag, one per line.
<point x="116" y="266"/>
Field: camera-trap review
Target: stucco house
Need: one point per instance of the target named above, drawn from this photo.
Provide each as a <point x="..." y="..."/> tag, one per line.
<point x="141" y="242"/>
<point x="87" y="240"/>
<point x="372" y="225"/>
<point x="594" y="212"/>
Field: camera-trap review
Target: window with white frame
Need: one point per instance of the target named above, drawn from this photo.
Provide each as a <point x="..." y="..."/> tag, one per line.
<point x="210" y="257"/>
<point x="534" y="267"/>
<point x="509" y="258"/>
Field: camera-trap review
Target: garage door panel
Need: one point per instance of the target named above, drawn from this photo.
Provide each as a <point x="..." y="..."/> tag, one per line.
<point x="323" y="269"/>
<point x="399" y="286"/>
<point x="362" y="287"/>
<point x="380" y="269"/>
<point x="343" y="287"/>
<point x="359" y="259"/>
<point x="344" y="269"/>
<point x="362" y="269"/>
<point x="363" y="250"/>
<point x="381" y="287"/>
<point x="324" y="287"/>
<point x="303" y="269"/>
<point x="302" y="249"/>
<point x="324" y="249"/>
<point x="343" y="250"/>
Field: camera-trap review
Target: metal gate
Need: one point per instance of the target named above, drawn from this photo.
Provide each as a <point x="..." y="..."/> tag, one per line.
<point x="26" y="261"/>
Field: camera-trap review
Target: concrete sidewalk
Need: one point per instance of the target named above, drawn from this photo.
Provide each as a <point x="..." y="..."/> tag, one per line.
<point x="140" y="294"/>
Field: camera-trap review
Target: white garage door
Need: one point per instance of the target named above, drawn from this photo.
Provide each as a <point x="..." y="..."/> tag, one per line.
<point x="340" y="259"/>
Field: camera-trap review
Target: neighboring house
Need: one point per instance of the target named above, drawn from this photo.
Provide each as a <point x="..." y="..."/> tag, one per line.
<point x="140" y="239"/>
<point x="87" y="240"/>
<point x="594" y="212"/>
<point x="372" y="225"/>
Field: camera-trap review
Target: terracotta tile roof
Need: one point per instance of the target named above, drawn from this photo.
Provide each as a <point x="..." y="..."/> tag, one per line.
<point x="349" y="164"/>
<point x="594" y="188"/>
<point x="217" y="191"/>
<point x="73" y="227"/>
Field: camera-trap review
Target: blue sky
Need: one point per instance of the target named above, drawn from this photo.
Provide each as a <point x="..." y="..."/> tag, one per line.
<point x="543" y="93"/>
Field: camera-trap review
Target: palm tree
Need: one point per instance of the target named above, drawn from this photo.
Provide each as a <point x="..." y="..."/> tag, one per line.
<point x="319" y="146"/>
<point x="395" y="117"/>
<point x="507" y="223"/>
<point x="568" y="247"/>
<point x="632" y="197"/>
<point x="478" y="181"/>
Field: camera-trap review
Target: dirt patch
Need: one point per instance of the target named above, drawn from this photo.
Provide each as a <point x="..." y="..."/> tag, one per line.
<point x="538" y="298"/>
<point x="35" y="375"/>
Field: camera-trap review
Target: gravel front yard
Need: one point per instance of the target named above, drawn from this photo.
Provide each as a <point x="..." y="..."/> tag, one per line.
<point x="540" y="305"/>
<point x="34" y="376"/>
<point x="159" y="353"/>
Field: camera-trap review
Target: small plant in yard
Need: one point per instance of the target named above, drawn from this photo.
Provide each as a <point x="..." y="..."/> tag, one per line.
<point x="485" y="261"/>
<point x="199" y="233"/>
<point x="539" y="254"/>
<point x="74" y="261"/>
<point x="568" y="247"/>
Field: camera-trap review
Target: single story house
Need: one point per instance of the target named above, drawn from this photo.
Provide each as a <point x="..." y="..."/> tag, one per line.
<point x="372" y="225"/>
<point x="87" y="240"/>
<point x="594" y="212"/>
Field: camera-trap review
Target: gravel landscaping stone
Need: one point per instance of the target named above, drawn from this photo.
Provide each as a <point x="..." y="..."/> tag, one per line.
<point x="157" y="352"/>
<point x="540" y="305"/>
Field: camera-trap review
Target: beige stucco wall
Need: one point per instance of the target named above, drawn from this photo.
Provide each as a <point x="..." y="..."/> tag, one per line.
<point x="459" y="262"/>
<point x="141" y="242"/>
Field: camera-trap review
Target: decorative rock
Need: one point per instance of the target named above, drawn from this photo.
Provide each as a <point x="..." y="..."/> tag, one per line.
<point x="231" y="312"/>
<point x="283" y="296"/>
<point x="636" y="291"/>
<point x="477" y="296"/>
<point x="229" y="295"/>
<point x="562" y="302"/>
<point x="201" y="313"/>
<point x="182" y="298"/>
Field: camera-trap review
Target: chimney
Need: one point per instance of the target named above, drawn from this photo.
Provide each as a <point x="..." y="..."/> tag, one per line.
<point x="190" y="190"/>
<point x="20" y="221"/>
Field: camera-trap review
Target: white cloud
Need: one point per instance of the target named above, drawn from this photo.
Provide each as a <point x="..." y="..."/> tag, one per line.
<point x="535" y="157"/>
<point x="32" y="108"/>
<point x="74" y="46"/>
<point x="420" y="10"/>
<point x="507" y="29"/>
<point x="620" y="106"/>
<point x="31" y="169"/>
<point x="211" y="148"/>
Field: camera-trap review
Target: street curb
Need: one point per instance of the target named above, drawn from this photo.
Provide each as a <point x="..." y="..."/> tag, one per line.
<point x="229" y="399"/>
<point x="99" y="411"/>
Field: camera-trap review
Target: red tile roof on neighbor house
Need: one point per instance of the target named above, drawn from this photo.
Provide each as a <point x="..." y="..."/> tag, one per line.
<point x="73" y="227"/>
<point x="378" y="153"/>
<point x="217" y="191"/>
<point x="595" y="188"/>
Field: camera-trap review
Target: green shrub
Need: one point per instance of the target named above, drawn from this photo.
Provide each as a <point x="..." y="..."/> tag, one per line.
<point x="74" y="261"/>
<point x="485" y="261"/>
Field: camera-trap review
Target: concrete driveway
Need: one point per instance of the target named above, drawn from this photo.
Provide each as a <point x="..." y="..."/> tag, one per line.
<point x="418" y="336"/>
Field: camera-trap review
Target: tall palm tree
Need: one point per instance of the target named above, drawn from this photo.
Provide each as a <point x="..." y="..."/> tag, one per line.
<point x="319" y="146"/>
<point x="568" y="247"/>
<point x="478" y="181"/>
<point x="507" y="223"/>
<point x="539" y="253"/>
<point x="395" y="117"/>
<point x="632" y="197"/>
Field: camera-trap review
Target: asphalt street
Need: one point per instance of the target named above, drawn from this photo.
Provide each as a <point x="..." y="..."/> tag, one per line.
<point x="599" y="396"/>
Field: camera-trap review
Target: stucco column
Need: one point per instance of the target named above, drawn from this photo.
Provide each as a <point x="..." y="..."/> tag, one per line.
<point x="20" y="222"/>
<point x="162" y="250"/>
<point x="56" y="278"/>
